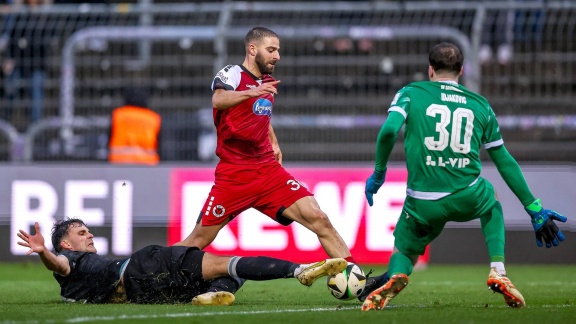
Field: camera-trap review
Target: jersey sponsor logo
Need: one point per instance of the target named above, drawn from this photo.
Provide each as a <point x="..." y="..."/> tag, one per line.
<point x="251" y="86"/>
<point x="450" y="162"/>
<point x="262" y="107"/>
<point x="450" y="88"/>
<point x="218" y="211"/>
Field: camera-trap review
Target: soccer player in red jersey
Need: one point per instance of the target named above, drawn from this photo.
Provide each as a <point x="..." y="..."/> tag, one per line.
<point x="250" y="172"/>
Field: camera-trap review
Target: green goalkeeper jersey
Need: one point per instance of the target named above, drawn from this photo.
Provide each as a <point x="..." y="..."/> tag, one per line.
<point x="446" y="124"/>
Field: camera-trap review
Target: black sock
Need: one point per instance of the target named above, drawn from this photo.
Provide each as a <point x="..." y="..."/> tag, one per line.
<point x="386" y="277"/>
<point x="223" y="284"/>
<point x="263" y="268"/>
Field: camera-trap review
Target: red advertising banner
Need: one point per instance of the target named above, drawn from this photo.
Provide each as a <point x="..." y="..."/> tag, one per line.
<point x="340" y="193"/>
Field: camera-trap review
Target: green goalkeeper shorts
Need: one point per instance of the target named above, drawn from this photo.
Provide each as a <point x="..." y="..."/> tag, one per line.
<point x="422" y="221"/>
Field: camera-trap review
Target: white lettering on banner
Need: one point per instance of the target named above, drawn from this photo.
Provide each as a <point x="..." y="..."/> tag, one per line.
<point x="76" y="191"/>
<point x="122" y="221"/>
<point x="37" y="201"/>
<point x="25" y="214"/>
<point x="225" y="240"/>
<point x="252" y="236"/>
<point x="345" y="215"/>
<point x="194" y="195"/>
<point x="304" y="239"/>
<point x="381" y="218"/>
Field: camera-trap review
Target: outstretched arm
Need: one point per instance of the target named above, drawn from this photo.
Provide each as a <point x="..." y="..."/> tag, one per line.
<point x="384" y="145"/>
<point x="223" y="99"/>
<point x="547" y="232"/>
<point x="35" y="243"/>
<point x="511" y="173"/>
<point x="387" y="139"/>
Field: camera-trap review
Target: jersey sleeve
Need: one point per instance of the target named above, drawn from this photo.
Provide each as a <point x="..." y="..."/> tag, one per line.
<point x="386" y="140"/>
<point x="401" y="102"/>
<point x="73" y="258"/>
<point x="492" y="137"/>
<point x="512" y="174"/>
<point x="227" y="79"/>
<point x="389" y="131"/>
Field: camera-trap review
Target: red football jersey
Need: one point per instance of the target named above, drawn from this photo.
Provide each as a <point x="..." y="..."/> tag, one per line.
<point x="243" y="130"/>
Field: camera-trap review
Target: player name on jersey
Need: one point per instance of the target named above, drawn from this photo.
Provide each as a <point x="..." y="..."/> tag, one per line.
<point x="453" y="98"/>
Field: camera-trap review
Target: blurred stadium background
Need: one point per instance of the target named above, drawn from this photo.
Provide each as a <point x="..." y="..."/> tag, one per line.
<point x="341" y="64"/>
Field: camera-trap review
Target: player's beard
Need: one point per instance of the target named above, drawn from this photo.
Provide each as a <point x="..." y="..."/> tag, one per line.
<point x="262" y="65"/>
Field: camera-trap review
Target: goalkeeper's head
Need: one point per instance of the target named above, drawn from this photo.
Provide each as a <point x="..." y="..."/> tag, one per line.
<point x="446" y="62"/>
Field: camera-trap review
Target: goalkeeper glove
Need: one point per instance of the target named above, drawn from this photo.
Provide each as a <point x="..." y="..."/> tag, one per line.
<point x="543" y="222"/>
<point x="373" y="183"/>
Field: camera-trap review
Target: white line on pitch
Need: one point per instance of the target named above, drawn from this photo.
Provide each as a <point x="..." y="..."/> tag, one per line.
<point x="471" y="283"/>
<point x="129" y="317"/>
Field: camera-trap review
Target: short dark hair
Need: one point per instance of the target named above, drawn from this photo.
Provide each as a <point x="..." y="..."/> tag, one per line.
<point x="257" y="33"/>
<point x="61" y="228"/>
<point x="446" y="57"/>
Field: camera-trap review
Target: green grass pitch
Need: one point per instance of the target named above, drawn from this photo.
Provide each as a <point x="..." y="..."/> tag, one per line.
<point x="438" y="294"/>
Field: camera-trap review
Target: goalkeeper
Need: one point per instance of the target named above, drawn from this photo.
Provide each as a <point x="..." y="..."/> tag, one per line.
<point x="446" y="124"/>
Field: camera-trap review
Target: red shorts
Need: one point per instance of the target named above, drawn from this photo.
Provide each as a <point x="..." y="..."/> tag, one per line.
<point x="269" y="189"/>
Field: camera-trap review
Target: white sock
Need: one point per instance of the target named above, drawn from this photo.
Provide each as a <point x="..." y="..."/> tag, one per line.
<point x="499" y="267"/>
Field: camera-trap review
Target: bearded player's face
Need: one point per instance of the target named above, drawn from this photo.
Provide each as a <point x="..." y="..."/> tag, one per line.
<point x="268" y="54"/>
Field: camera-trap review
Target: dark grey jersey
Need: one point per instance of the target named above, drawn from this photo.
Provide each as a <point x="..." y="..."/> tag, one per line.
<point x="92" y="277"/>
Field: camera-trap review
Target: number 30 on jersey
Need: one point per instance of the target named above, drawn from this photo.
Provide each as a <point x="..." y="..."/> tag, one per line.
<point x="454" y="138"/>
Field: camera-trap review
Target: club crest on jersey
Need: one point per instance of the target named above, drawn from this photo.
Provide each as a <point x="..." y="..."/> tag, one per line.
<point x="218" y="210"/>
<point x="262" y="107"/>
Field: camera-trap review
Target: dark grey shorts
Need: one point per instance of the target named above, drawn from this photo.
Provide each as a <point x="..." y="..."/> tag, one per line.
<point x="158" y="275"/>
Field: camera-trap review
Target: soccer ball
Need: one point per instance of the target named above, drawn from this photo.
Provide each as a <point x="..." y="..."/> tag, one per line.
<point x="347" y="284"/>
